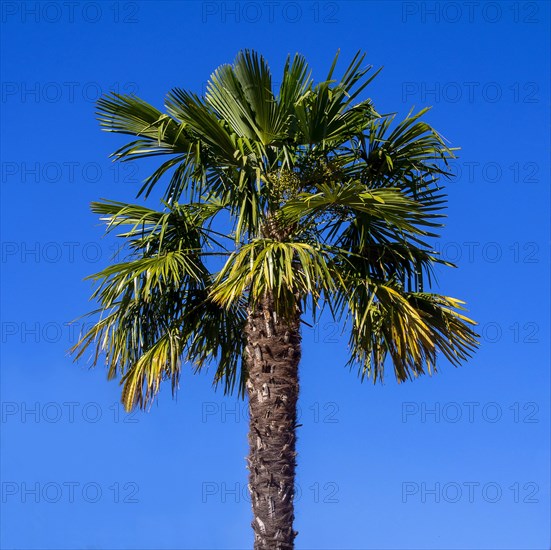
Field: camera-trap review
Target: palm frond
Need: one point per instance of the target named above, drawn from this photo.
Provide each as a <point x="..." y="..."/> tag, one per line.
<point x="410" y="328"/>
<point x="285" y="270"/>
<point x="158" y="133"/>
<point x="330" y="204"/>
<point x="157" y="309"/>
<point x="327" y="113"/>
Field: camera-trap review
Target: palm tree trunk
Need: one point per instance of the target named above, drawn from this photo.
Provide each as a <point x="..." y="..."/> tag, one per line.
<point x="273" y="352"/>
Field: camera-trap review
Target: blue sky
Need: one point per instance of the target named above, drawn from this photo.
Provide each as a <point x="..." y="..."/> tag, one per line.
<point x="457" y="461"/>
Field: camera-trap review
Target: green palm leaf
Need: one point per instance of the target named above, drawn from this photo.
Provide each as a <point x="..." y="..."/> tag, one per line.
<point x="328" y="205"/>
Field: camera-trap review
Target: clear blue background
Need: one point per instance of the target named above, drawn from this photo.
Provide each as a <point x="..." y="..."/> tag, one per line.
<point x="369" y="457"/>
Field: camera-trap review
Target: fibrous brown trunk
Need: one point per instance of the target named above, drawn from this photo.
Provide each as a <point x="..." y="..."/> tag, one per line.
<point x="273" y="354"/>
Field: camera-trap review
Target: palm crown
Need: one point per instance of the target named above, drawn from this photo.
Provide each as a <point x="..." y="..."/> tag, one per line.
<point x="331" y="205"/>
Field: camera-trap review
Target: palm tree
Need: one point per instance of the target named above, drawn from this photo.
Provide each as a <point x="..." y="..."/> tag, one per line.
<point x="331" y="206"/>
